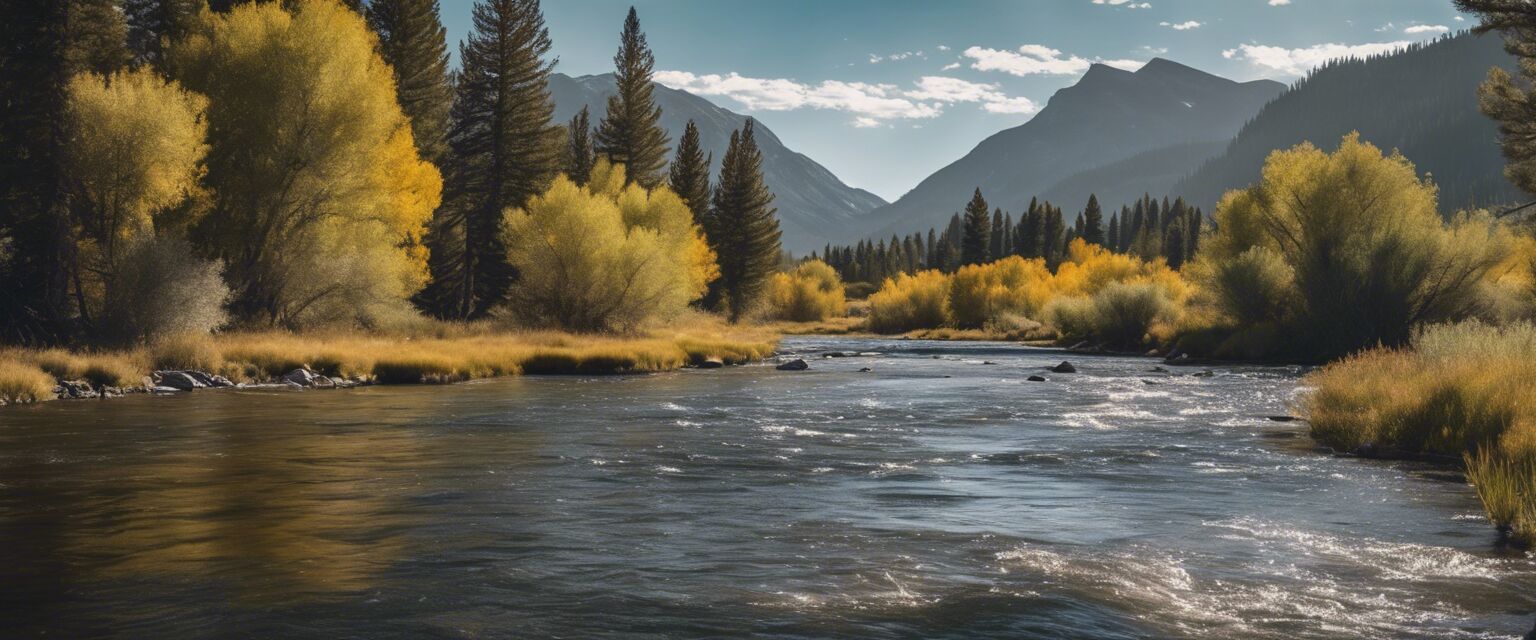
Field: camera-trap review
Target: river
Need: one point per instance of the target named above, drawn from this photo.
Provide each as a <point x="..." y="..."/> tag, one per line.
<point x="940" y="495"/>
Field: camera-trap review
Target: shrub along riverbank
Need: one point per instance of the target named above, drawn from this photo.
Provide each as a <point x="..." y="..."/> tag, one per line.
<point x="433" y="353"/>
<point x="1463" y="392"/>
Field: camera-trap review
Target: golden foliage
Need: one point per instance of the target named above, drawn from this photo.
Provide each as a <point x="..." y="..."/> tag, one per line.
<point x="910" y="301"/>
<point x="321" y="199"/>
<point x="811" y="293"/>
<point x="605" y="257"/>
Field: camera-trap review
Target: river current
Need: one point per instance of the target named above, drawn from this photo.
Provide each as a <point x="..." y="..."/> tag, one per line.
<point x="938" y="495"/>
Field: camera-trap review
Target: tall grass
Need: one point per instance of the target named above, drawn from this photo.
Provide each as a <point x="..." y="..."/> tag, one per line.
<point x="444" y="352"/>
<point x="1464" y="391"/>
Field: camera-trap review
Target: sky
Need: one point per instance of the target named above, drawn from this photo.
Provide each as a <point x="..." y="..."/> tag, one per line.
<point x="885" y="92"/>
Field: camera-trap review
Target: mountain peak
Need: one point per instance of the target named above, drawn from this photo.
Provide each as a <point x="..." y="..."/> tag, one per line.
<point x="1165" y="68"/>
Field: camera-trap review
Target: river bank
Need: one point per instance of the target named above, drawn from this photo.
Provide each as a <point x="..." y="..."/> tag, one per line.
<point x="439" y="353"/>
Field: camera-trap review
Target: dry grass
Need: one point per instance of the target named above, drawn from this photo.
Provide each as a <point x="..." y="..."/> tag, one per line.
<point x="1462" y="391"/>
<point x="437" y="353"/>
<point x="23" y="383"/>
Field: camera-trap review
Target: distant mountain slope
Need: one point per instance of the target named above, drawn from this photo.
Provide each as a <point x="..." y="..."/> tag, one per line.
<point x="1421" y="101"/>
<point x="1108" y="116"/>
<point x="1150" y="172"/>
<point x="812" y="202"/>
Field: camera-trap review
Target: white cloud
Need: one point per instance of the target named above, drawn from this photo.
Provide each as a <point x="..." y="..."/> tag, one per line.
<point x="1460" y="19"/>
<point x="1427" y="28"/>
<point x="1027" y="60"/>
<point x="875" y="101"/>
<point x="1386" y="27"/>
<point x="1279" y="3"/>
<point x="951" y="66"/>
<point x="1181" y="26"/>
<point x="1128" y="65"/>
<point x="943" y="48"/>
<point x="1012" y="105"/>
<point x="871" y="104"/>
<point x="1125" y="3"/>
<point x="1298" y="61"/>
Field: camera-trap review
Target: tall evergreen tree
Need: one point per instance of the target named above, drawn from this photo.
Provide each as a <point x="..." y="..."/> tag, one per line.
<point x="630" y="133"/>
<point x="1114" y="232"/>
<point x="414" y="43"/>
<point x="96" y="36"/>
<point x="1176" y="245"/>
<point x="1093" y="222"/>
<point x="744" y="230"/>
<point x="154" y="23"/>
<point x="995" y="242"/>
<point x="579" y="153"/>
<point x="33" y="237"/>
<point x="505" y="150"/>
<point x="978" y="231"/>
<point x="1053" y="234"/>
<point x="689" y="174"/>
<point x="1031" y="228"/>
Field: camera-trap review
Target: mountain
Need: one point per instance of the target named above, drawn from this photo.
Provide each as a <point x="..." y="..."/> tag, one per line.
<point x="812" y="202"/>
<point x="1127" y="180"/>
<point x="1421" y="100"/>
<point x="1108" y="116"/>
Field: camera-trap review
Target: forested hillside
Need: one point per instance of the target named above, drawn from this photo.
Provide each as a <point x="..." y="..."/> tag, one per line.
<point x="1421" y="101"/>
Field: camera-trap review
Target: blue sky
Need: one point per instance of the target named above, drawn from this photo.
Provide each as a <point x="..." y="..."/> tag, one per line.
<point x="884" y="92"/>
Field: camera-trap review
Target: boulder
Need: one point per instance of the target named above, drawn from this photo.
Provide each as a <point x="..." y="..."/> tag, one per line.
<point x="1036" y="378"/>
<point x="865" y="370"/>
<point x="712" y="363"/>
<point x="301" y="377"/>
<point x="75" y="389"/>
<point x="1064" y="367"/>
<point x="794" y="365"/>
<point x="322" y="382"/>
<point x="178" y="380"/>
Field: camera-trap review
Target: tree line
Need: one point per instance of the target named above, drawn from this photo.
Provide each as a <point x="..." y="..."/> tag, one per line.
<point x="319" y="161"/>
<point x="1149" y="228"/>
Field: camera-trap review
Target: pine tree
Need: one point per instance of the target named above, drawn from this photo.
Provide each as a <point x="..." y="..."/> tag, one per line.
<point x="1196" y="221"/>
<point x="1093" y="222"/>
<point x="414" y="43"/>
<point x="505" y="150"/>
<point x="1174" y="246"/>
<point x="1031" y="229"/>
<point x="154" y="23"/>
<point x="1007" y="231"/>
<point x="579" y="154"/>
<point x="1053" y="234"/>
<point x="689" y="176"/>
<point x="630" y="133"/>
<point x="96" y="36"/>
<point x="1114" y="232"/>
<point x="978" y="232"/>
<point x="746" y="231"/>
<point x="997" y="231"/>
<point x="33" y="73"/>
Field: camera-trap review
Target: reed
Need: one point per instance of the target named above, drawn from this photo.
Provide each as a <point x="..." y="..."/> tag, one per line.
<point x="22" y="383"/>
<point x="1460" y="391"/>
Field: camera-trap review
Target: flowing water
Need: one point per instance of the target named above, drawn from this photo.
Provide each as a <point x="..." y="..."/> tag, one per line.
<point x="940" y="495"/>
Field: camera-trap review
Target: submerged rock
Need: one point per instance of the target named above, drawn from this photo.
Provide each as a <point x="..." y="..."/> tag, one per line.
<point x="1064" y="367"/>
<point x="865" y="370"/>
<point x="793" y="365"/>
<point x="712" y="363"/>
<point x="1036" y="378"/>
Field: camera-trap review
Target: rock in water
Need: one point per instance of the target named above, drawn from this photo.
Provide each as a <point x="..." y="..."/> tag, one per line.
<point x="865" y="370"/>
<point x="1036" y="378"/>
<point x="711" y="363"/>
<point x="794" y="365"/>
<point x="178" y="380"/>
<point x="301" y="377"/>
<point x="1064" y="367"/>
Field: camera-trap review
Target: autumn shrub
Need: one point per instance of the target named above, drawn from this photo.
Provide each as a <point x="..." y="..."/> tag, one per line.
<point x="1459" y="391"/>
<point x="196" y="352"/>
<point x="1120" y="314"/>
<point x="810" y="293"/>
<point x="1350" y="247"/>
<point x="605" y="257"/>
<point x="984" y="293"/>
<point x="161" y="289"/>
<point x="910" y="301"/>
